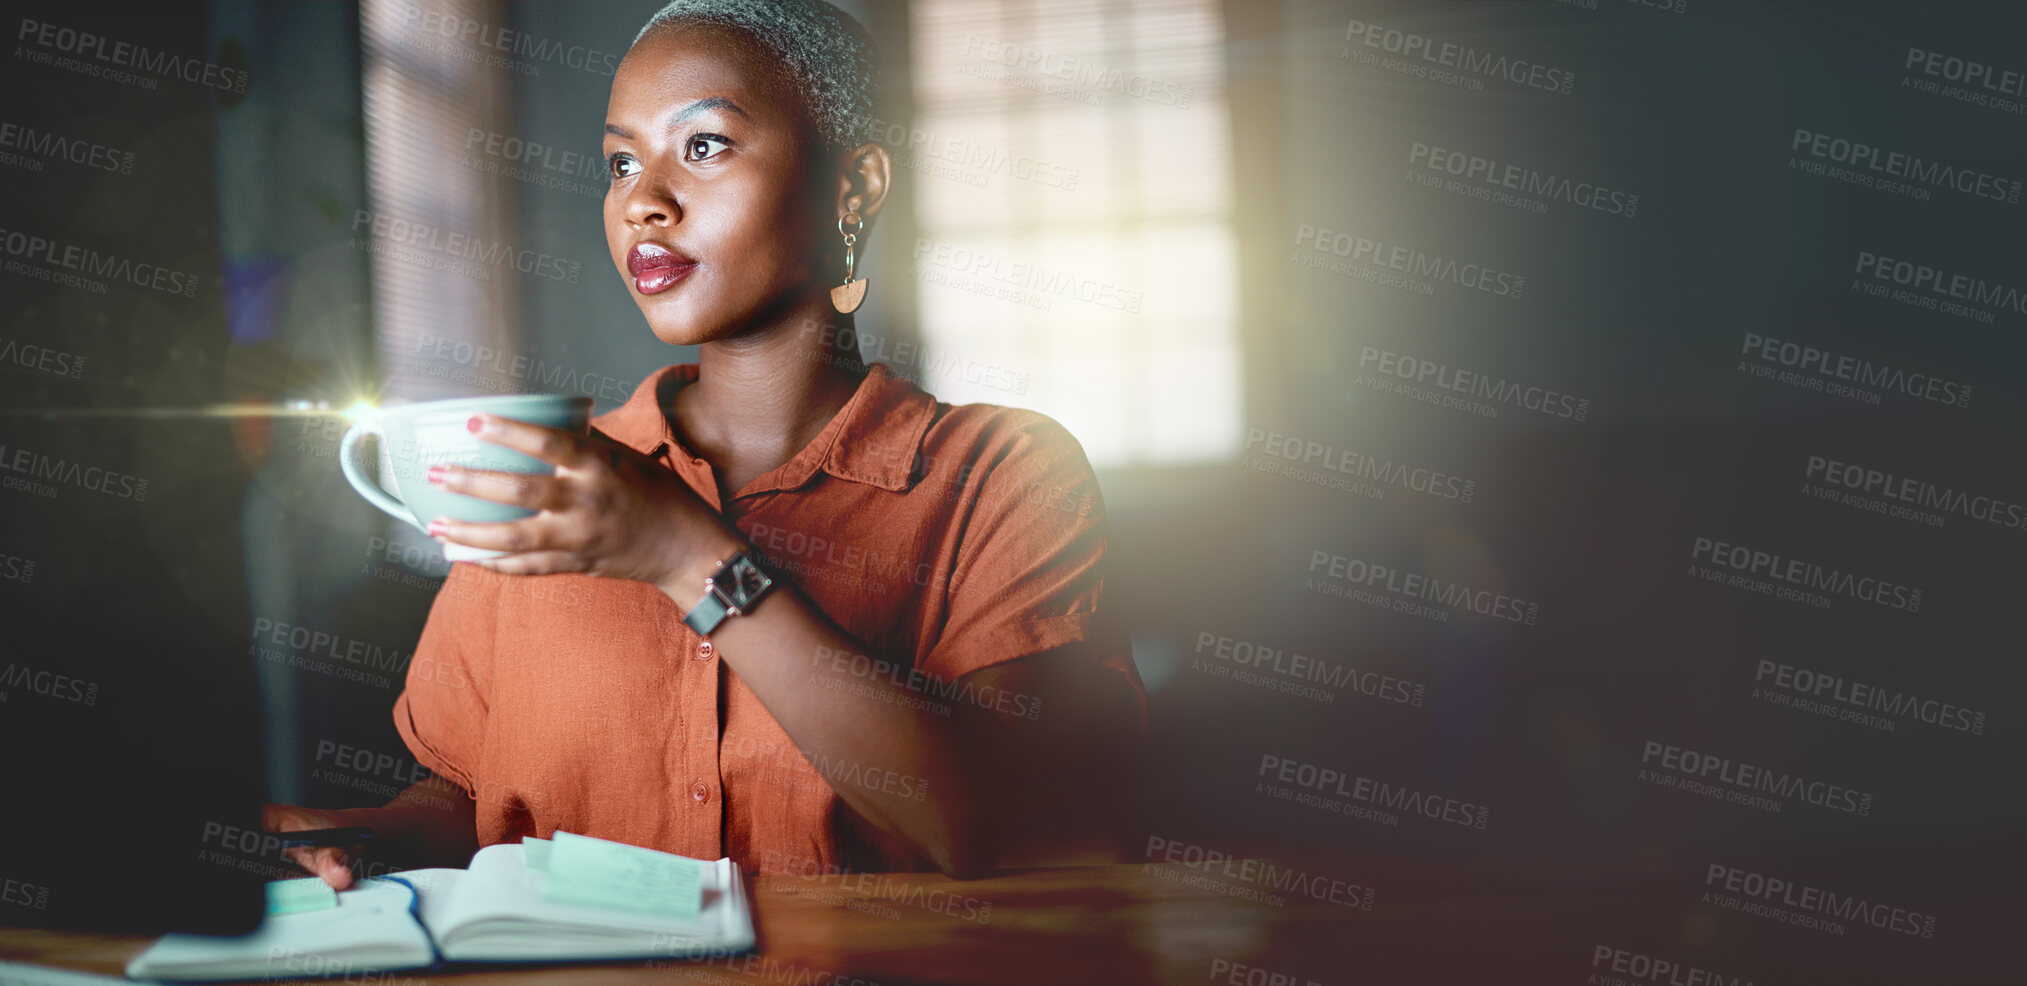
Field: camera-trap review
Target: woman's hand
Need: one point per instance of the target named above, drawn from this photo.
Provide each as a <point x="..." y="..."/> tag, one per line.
<point x="333" y="863"/>
<point x="608" y="511"/>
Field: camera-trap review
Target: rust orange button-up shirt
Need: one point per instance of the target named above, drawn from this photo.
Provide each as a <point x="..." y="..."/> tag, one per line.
<point x="945" y="538"/>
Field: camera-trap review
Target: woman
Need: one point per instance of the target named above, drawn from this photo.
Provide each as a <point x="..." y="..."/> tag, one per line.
<point x="930" y="679"/>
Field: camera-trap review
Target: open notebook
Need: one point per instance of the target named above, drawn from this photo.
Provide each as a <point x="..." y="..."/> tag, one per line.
<point x="492" y="911"/>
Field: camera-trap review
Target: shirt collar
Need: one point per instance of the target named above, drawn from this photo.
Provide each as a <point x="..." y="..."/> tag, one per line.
<point x="873" y="439"/>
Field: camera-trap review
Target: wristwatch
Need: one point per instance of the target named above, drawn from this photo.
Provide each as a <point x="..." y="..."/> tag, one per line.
<point x="738" y="585"/>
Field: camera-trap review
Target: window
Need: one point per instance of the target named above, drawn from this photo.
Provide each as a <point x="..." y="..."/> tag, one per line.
<point x="1075" y="252"/>
<point x="428" y="217"/>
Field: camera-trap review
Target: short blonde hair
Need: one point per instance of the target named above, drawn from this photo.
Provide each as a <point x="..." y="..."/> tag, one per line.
<point x="827" y="53"/>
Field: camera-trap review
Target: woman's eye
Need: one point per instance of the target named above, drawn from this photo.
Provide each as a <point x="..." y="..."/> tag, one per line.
<point x="704" y="146"/>
<point x="616" y="166"/>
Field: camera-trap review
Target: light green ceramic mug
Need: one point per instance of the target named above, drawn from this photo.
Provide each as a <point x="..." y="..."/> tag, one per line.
<point x="424" y="434"/>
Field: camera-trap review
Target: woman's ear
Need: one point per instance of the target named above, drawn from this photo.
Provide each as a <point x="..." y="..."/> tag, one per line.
<point x="863" y="181"/>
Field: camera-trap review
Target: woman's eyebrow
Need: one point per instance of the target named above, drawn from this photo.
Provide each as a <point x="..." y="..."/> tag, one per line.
<point x="700" y="106"/>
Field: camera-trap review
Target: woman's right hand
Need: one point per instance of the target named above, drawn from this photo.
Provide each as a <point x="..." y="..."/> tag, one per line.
<point x="333" y="863"/>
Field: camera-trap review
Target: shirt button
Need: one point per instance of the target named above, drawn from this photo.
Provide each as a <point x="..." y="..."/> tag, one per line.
<point x="700" y="792"/>
<point x="704" y="650"/>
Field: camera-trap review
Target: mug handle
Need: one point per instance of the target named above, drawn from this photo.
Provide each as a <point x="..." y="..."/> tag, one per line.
<point x="355" y="473"/>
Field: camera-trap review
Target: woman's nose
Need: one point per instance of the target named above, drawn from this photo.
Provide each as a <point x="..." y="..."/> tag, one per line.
<point x="651" y="203"/>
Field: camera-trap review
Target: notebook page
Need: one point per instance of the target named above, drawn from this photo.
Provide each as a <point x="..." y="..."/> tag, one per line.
<point x="370" y="929"/>
<point x="498" y="913"/>
<point x="435" y="888"/>
<point x="23" y="974"/>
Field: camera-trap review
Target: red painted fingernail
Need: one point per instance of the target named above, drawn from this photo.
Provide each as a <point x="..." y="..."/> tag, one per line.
<point x="435" y="528"/>
<point x="474" y="424"/>
<point x="435" y="474"/>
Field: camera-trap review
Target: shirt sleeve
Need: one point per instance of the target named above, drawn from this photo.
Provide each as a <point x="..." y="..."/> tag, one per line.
<point x="441" y="712"/>
<point x="1029" y="574"/>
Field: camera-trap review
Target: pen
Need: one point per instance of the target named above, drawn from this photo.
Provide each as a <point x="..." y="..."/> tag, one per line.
<point x="318" y="838"/>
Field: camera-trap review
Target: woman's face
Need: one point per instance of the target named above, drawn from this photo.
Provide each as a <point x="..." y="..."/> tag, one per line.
<point x="712" y="213"/>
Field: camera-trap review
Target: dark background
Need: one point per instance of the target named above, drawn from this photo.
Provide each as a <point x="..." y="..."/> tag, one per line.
<point x="151" y="600"/>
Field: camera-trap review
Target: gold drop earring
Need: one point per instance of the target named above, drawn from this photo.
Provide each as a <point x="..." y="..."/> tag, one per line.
<point x="846" y="297"/>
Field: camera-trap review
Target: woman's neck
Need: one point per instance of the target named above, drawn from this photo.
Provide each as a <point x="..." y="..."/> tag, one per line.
<point x="761" y="395"/>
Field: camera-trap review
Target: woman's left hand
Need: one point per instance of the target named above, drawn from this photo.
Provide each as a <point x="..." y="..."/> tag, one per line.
<point x="608" y="510"/>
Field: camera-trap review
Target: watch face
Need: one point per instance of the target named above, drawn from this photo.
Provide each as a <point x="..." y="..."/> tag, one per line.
<point x="748" y="581"/>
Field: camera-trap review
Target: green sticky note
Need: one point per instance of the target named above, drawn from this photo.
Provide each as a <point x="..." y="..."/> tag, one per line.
<point x="594" y="872"/>
<point x="535" y="853"/>
<point x="296" y="896"/>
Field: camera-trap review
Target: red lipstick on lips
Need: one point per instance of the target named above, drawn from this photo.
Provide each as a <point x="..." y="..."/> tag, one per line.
<point x="656" y="268"/>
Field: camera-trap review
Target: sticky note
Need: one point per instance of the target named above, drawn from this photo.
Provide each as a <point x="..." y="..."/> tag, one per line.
<point x="594" y="872"/>
<point x="535" y="853"/>
<point x="297" y="896"/>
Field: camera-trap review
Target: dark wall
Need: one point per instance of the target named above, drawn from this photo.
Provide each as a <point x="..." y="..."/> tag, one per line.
<point x="126" y="697"/>
<point x="1892" y="782"/>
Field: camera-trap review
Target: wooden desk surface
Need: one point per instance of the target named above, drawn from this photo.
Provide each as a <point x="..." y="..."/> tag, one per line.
<point x="1168" y="923"/>
<point x="1123" y="923"/>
